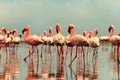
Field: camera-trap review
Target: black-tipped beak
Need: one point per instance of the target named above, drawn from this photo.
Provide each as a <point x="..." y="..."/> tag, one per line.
<point x="56" y="31"/>
<point x="109" y="29"/>
<point x="96" y="32"/>
<point x="5" y="31"/>
<point x="69" y="30"/>
<point x="23" y="31"/>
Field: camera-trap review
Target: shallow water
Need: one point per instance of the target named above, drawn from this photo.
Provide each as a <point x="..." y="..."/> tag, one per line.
<point x="103" y="66"/>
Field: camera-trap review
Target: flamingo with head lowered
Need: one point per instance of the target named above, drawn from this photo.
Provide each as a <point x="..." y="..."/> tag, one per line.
<point x="32" y="40"/>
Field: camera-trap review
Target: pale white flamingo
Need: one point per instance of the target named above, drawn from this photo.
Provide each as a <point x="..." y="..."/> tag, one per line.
<point x="94" y="43"/>
<point x="103" y="38"/>
<point x="32" y="40"/>
<point x="16" y="38"/>
<point x="58" y="40"/>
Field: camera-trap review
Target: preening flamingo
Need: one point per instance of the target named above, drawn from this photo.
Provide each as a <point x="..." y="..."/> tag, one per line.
<point x="58" y="40"/>
<point x="32" y="40"/>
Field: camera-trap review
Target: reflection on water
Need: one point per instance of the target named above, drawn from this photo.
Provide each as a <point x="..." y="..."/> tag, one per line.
<point x="90" y="64"/>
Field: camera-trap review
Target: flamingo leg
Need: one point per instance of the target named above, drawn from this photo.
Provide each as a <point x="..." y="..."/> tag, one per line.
<point x="74" y="57"/>
<point x="41" y="50"/>
<point x="62" y="52"/>
<point x="29" y="54"/>
<point x="66" y="54"/>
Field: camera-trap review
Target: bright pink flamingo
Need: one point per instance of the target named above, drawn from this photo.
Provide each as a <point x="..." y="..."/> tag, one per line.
<point x="32" y="40"/>
<point x="58" y="40"/>
<point x="68" y="41"/>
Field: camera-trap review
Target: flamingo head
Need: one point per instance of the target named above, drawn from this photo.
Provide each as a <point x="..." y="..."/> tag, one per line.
<point x="96" y="31"/>
<point x="58" y="29"/>
<point x="4" y="30"/>
<point x="90" y="34"/>
<point x="26" y="29"/>
<point x="45" y="33"/>
<point x="111" y="27"/>
<point x="50" y="30"/>
<point x="84" y="33"/>
<point x="14" y="31"/>
<point x="70" y="28"/>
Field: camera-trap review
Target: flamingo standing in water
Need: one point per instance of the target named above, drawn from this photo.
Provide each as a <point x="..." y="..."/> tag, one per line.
<point x="77" y="40"/>
<point x="32" y="40"/>
<point x="2" y="36"/>
<point x="69" y="43"/>
<point x="58" y="39"/>
<point x="114" y="39"/>
<point x="94" y="42"/>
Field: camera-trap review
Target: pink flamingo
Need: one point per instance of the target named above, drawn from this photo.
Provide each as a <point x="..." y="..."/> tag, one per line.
<point x="77" y="40"/>
<point x="58" y="39"/>
<point x="32" y="40"/>
<point x="68" y="41"/>
<point x="2" y="36"/>
<point x="114" y="39"/>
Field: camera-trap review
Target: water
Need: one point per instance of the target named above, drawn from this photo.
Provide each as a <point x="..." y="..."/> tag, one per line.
<point x="102" y="67"/>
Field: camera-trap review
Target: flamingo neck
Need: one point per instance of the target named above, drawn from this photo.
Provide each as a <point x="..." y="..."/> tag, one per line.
<point x="15" y="34"/>
<point x="3" y="33"/>
<point x="112" y="33"/>
<point x="27" y="34"/>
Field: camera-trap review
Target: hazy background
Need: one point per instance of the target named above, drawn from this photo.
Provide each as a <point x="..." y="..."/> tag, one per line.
<point x="41" y="14"/>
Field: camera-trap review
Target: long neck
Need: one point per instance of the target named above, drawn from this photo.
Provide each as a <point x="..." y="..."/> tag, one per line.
<point x="95" y="33"/>
<point x="3" y="33"/>
<point x="50" y="34"/>
<point x="27" y="33"/>
<point x="112" y="33"/>
<point x="72" y="33"/>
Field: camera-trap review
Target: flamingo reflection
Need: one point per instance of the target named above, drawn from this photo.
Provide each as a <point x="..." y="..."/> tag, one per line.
<point x="11" y="67"/>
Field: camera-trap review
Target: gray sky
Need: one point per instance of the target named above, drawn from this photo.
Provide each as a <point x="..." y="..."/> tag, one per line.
<point x="41" y="14"/>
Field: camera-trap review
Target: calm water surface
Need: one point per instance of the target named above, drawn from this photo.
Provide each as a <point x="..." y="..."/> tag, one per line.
<point x="103" y="66"/>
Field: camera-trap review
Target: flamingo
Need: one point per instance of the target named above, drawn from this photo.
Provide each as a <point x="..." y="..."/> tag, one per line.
<point x="16" y="39"/>
<point x="77" y="40"/>
<point x="58" y="40"/>
<point x="2" y="36"/>
<point x="114" y="39"/>
<point x="68" y="41"/>
<point x="32" y="40"/>
<point x="94" y="42"/>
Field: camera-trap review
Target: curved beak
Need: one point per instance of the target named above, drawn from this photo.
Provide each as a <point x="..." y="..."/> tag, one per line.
<point x="68" y="29"/>
<point x="57" y="30"/>
<point x="96" y="32"/>
<point x="5" y="31"/>
<point x="109" y="29"/>
<point x="23" y="31"/>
